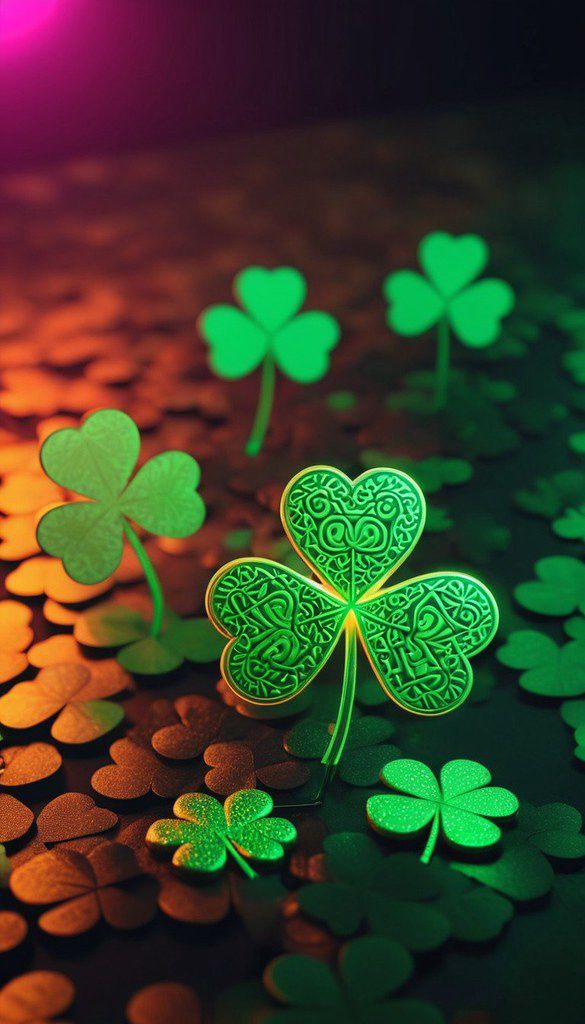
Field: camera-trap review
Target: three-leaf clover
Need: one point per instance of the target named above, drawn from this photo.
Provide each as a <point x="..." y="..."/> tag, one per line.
<point x="208" y="832"/>
<point x="370" y="970"/>
<point x="449" y="297"/>
<point x="559" y="589"/>
<point x="460" y="804"/>
<point x="549" y="670"/>
<point x="96" y="461"/>
<point x="282" y="627"/>
<point x="392" y="895"/>
<point x="270" y="333"/>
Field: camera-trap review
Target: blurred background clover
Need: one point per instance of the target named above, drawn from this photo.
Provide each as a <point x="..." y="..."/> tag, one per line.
<point x="269" y="333"/>
<point x="449" y="298"/>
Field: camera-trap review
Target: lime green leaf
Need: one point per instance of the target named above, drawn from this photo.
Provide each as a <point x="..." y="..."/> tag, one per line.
<point x="550" y="670"/>
<point x="571" y="525"/>
<point x="95" y="459"/>
<point x="452" y="263"/>
<point x="88" y="537"/>
<point x="237" y="345"/>
<point x="520" y="873"/>
<point x="559" y="590"/>
<point x="415" y="306"/>
<point x="271" y="297"/>
<point x="162" y="497"/>
<point x="301" y="348"/>
<point x="476" y="313"/>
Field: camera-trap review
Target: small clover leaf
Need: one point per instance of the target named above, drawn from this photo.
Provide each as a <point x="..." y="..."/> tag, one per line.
<point x="370" y="970"/>
<point x="96" y="461"/>
<point x="392" y="895"/>
<point x="207" y="832"/>
<point x="551" y="495"/>
<point x="577" y="442"/>
<point x="573" y="713"/>
<point x="559" y="589"/>
<point x="449" y="298"/>
<point x="272" y="333"/>
<point x="474" y="913"/>
<point x="554" y="829"/>
<point x="461" y="804"/>
<point x="550" y="670"/>
<point x="521" y="873"/>
<point x="366" y="750"/>
<point x="571" y="525"/>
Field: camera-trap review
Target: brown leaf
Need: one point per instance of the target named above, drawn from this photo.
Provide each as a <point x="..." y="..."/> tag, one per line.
<point x="203" y="721"/>
<point x="194" y="904"/>
<point x="73" y="693"/>
<point x="34" y="997"/>
<point x="21" y="766"/>
<point x="232" y="768"/>
<point x="15" y="818"/>
<point x="72" y="815"/>
<point x="85" y="887"/>
<point x="137" y="770"/>
<point x="260" y="758"/>
<point x="15" y="637"/>
<point x="13" y="930"/>
<point x="164" y="1002"/>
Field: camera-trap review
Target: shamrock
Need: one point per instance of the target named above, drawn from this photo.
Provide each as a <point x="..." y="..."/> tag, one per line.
<point x="96" y="461"/>
<point x="114" y="625"/>
<point x="282" y="627"/>
<point x="474" y="913"/>
<point x="370" y="970"/>
<point x="554" y="829"/>
<point x="86" y="888"/>
<point x="571" y="525"/>
<point x="550" y="670"/>
<point x="552" y="495"/>
<point x="366" y="749"/>
<point x="521" y="873"/>
<point x="270" y="333"/>
<point x="391" y="894"/>
<point x="208" y="832"/>
<point x="448" y="298"/>
<point x="573" y="713"/>
<point x="559" y="590"/>
<point x="461" y="803"/>
<point x="69" y="692"/>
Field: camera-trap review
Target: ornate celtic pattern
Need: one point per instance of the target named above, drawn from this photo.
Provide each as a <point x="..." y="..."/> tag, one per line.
<point x="353" y="533"/>
<point x="286" y="628"/>
<point x="419" y="636"/>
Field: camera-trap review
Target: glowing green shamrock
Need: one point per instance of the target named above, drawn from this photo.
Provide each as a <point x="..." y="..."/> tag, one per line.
<point x="270" y="333"/>
<point x="207" y="832"/>
<point x="96" y="461"/>
<point x="283" y="627"/>
<point x="448" y="298"/>
<point x="461" y="804"/>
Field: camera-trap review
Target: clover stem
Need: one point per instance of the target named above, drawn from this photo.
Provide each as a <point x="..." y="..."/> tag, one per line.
<point x="233" y="852"/>
<point x="156" y="593"/>
<point x="336" y="746"/>
<point x="431" y="841"/>
<point x="264" y="408"/>
<point x="442" y="363"/>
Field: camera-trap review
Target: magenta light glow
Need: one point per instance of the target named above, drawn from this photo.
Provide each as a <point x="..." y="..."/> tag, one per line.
<point x="19" y="17"/>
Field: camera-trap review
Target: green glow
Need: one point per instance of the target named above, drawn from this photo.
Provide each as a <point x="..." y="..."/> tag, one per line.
<point x="282" y="627"/>
<point x="448" y="298"/>
<point x="271" y="332"/>
<point x="460" y="804"/>
<point x="207" y="833"/>
<point x="96" y="461"/>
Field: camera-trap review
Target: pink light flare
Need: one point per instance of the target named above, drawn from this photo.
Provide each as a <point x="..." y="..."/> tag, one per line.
<point x="19" y="17"/>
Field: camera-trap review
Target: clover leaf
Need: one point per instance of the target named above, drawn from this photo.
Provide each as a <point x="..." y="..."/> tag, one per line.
<point x="554" y="829"/>
<point x="552" y="495"/>
<point x="391" y="895"/>
<point x="207" y="832"/>
<point x="282" y="626"/>
<point x="271" y="333"/>
<point x="370" y="970"/>
<point x="474" y="913"/>
<point x="448" y="297"/>
<point x="96" y="461"/>
<point x="366" y="749"/>
<point x="550" y="670"/>
<point x="559" y="589"/>
<point x="571" y="525"/>
<point x="460" y="804"/>
<point x="521" y="873"/>
<point x="573" y="713"/>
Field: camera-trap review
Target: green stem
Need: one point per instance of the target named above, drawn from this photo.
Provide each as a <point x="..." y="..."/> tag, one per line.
<point x="431" y="841"/>
<point x="442" y="363"/>
<point x="264" y="408"/>
<point x="336" y="746"/>
<point x="156" y="593"/>
<point x="233" y="852"/>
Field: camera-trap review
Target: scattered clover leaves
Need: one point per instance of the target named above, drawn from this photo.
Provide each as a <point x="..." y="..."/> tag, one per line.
<point x="451" y="265"/>
<point x="550" y="496"/>
<point x="366" y="750"/>
<point x="96" y="461"/>
<point x="206" y="832"/>
<point x="461" y="804"/>
<point x="270" y="325"/>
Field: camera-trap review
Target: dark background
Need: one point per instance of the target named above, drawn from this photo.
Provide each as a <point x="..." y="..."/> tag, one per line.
<point x="102" y="75"/>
